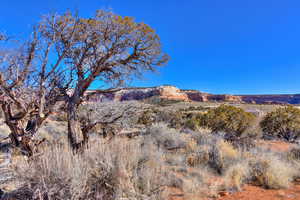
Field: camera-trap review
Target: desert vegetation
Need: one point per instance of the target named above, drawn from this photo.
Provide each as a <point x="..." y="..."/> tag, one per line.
<point x="62" y="146"/>
<point x="228" y="119"/>
<point x="282" y="123"/>
<point x="152" y="160"/>
<point x="106" y="47"/>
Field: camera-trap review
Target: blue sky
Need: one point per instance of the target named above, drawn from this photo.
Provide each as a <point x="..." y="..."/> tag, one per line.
<point x="217" y="46"/>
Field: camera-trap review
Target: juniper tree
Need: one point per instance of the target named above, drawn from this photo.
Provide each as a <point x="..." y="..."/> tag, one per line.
<point x="106" y="48"/>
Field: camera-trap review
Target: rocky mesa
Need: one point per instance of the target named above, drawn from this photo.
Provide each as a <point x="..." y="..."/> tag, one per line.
<point x="173" y="93"/>
<point x="126" y="94"/>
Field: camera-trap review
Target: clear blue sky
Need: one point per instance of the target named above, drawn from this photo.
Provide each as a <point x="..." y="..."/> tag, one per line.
<point x="218" y="46"/>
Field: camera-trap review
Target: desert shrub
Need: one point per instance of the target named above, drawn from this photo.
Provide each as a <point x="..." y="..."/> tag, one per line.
<point x="263" y="168"/>
<point x="229" y="119"/>
<point x="174" y="119"/>
<point x="254" y="130"/>
<point x="202" y="136"/>
<point x="200" y="157"/>
<point x="237" y="175"/>
<point x="58" y="174"/>
<point x="118" y="170"/>
<point x="148" y="117"/>
<point x="270" y="171"/>
<point x="222" y="156"/>
<point x="165" y="137"/>
<point x="243" y="143"/>
<point x="194" y="184"/>
<point x="191" y="124"/>
<point x="293" y="157"/>
<point x="218" y="154"/>
<point x="212" y="151"/>
<point x="173" y="159"/>
<point x="194" y="108"/>
<point x="283" y="123"/>
<point x="192" y="121"/>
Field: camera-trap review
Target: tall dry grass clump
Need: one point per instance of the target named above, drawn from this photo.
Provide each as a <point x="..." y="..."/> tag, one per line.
<point x="118" y="170"/>
<point x="237" y="175"/>
<point x="213" y="152"/>
<point x="261" y="168"/>
<point x="271" y="171"/>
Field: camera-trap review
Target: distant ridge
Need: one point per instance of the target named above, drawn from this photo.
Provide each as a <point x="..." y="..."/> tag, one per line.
<point x="173" y="93"/>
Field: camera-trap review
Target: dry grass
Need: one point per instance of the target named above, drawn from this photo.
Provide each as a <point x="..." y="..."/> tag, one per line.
<point x="120" y="169"/>
<point x="213" y="152"/>
<point x="200" y="156"/>
<point x="165" y="137"/>
<point x="270" y="171"/>
<point x="146" y="167"/>
<point x="236" y="175"/>
<point x="263" y="168"/>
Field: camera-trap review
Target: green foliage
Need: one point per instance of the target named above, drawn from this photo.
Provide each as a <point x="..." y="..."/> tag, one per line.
<point x="192" y="121"/>
<point x="151" y="116"/>
<point x="228" y="119"/>
<point x="148" y="117"/>
<point x="283" y="123"/>
<point x="194" y="108"/>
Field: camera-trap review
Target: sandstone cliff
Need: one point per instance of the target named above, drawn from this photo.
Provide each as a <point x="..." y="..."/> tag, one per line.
<point x="163" y="92"/>
<point x="173" y="93"/>
<point x="126" y="94"/>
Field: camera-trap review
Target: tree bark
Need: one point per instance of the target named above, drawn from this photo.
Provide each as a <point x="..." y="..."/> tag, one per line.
<point x="77" y="139"/>
<point x="18" y="134"/>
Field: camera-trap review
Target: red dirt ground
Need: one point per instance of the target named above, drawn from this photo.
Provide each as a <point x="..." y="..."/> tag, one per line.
<point x="257" y="193"/>
<point x="276" y="145"/>
<point x="249" y="193"/>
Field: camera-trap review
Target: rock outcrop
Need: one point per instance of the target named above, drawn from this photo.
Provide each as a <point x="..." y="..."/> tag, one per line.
<point x="173" y="93"/>
<point x="126" y="94"/>
<point x="163" y="92"/>
<point x="195" y="95"/>
<point x="225" y="98"/>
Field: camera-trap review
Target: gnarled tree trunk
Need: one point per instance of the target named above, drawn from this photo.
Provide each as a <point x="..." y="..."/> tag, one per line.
<point x="77" y="136"/>
<point x="14" y="125"/>
<point x="21" y="135"/>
